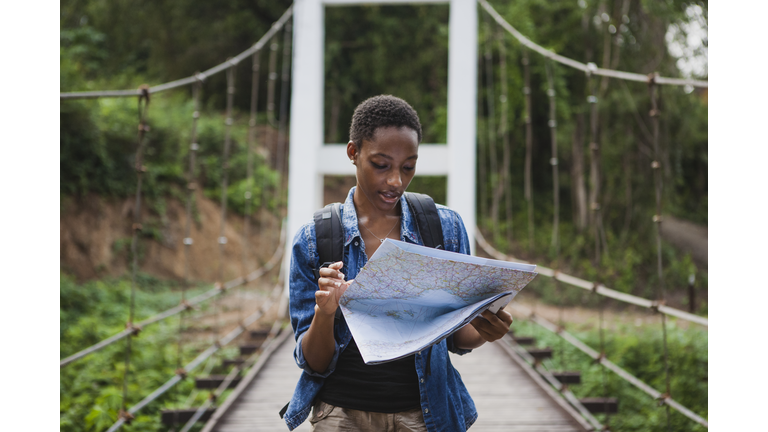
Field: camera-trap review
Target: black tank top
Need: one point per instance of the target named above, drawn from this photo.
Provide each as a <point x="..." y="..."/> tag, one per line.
<point x="386" y="388"/>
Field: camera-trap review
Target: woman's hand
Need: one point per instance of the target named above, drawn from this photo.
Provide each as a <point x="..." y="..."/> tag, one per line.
<point x="492" y="327"/>
<point x="485" y="328"/>
<point x="331" y="286"/>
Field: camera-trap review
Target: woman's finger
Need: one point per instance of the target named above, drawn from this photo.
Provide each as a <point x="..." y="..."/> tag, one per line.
<point x="505" y="317"/>
<point x="328" y="283"/>
<point x="331" y="273"/>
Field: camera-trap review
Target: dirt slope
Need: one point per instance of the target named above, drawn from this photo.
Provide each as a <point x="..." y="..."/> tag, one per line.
<point x="95" y="238"/>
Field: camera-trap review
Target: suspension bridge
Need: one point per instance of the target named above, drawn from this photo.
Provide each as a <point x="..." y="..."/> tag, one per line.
<point x="514" y="386"/>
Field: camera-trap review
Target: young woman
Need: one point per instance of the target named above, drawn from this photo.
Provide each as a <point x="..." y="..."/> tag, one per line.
<point x="422" y="392"/>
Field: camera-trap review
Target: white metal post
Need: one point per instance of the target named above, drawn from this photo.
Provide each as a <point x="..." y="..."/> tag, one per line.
<point x="310" y="160"/>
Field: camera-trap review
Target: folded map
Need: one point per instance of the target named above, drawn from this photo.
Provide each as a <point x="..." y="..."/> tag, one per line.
<point x="409" y="297"/>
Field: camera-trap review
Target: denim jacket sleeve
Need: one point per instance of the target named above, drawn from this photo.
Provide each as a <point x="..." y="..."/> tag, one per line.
<point x="456" y="240"/>
<point x="302" y="294"/>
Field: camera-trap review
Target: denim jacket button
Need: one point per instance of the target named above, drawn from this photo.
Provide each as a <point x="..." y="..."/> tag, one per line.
<point x="357" y="243"/>
<point x="421" y="380"/>
<point x="426" y="410"/>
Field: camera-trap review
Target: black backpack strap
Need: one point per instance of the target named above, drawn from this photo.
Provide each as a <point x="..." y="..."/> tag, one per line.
<point x="329" y="236"/>
<point x="427" y="219"/>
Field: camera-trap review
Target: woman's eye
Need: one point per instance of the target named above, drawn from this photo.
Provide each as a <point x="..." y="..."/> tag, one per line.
<point x="375" y="165"/>
<point x="408" y="168"/>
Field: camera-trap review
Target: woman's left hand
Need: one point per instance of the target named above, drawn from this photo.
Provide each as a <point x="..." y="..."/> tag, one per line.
<point x="492" y="327"/>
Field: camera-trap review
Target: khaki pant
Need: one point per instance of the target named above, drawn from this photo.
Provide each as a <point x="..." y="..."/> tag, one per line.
<point x="326" y="417"/>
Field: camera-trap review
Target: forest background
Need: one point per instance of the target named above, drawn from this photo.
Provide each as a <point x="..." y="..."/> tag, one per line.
<point x="400" y="50"/>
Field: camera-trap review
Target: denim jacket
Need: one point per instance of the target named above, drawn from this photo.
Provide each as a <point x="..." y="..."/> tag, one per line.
<point x="445" y="401"/>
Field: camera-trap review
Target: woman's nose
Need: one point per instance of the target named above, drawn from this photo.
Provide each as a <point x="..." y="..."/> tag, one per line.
<point x="394" y="180"/>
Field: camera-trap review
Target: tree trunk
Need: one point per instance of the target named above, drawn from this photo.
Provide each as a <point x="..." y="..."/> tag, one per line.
<point x="581" y="212"/>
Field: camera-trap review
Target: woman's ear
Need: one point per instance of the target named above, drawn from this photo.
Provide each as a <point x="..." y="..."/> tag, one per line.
<point x="352" y="152"/>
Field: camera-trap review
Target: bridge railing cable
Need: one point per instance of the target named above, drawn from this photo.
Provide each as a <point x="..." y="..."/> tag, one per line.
<point x="600" y="358"/>
<point x="592" y="286"/>
<point x="181" y="307"/>
<point x="202" y="76"/>
<point x="589" y="68"/>
<point x="218" y="344"/>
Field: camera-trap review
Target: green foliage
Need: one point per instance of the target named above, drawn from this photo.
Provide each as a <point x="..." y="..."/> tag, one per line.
<point x="639" y="351"/>
<point x="90" y="389"/>
<point x="400" y="50"/>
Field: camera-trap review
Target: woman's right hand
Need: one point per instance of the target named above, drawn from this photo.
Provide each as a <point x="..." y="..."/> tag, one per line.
<point x="331" y="286"/>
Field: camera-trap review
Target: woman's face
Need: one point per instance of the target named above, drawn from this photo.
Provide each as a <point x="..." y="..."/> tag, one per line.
<point x="385" y="165"/>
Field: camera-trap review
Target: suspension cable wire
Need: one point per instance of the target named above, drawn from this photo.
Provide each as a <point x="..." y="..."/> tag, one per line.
<point x="528" y="147"/>
<point x="590" y="286"/>
<point x="222" y="240"/>
<point x="234" y="61"/>
<point x="210" y="350"/>
<point x="490" y="101"/>
<point x="140" y="170"/>
<point x="249" y="169"/>
<point x="556" y="198"/>
<point x="282" y="142"/>
<point x="629" y="76"/>
<point x="658" y="183"/>
<point x="181" y="307"/>
<point x="273" y="47"/>
<point x="594" y="194"/>
<point x="504" y="130"/>
<point x="573" y="340"/>
<point x="481" y="163"/>
<point x="271" y="121"/>
<point x="554" y="160"/>
<point x="193" y="147"/>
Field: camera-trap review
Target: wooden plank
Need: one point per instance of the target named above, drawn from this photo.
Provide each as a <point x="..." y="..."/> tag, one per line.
<point x="601" y="405"/>
<point x="568" y="377"/>
<point x="182" y="416"/>
<point x="214" y="381"/>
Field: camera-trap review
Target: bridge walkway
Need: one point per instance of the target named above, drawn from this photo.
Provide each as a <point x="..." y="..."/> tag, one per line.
<point x="506" y="396"/>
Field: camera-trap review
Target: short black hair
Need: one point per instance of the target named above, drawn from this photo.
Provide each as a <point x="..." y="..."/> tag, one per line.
<point x="382" y="111"/>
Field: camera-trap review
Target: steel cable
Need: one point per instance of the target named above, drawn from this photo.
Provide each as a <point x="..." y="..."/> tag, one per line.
<point x="629" y="76"/>
<point x="528" y="147"/>
<point x="609" y="365"/>
<point x="490" y="100"/>
<point x="177" y="309"/>
<point x="234" y="61"/>
<point x="556" y="198"/>
<point x="205" y="354"/>
<point x="657" y="180"/>
<point x="590" y="286"/>
<point x="282" y="142"/>
<point x="140" y="170"/>
<point x="507" y="153"/>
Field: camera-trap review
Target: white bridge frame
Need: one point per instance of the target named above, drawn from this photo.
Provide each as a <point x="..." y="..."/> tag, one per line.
<point x="311" y="159"/>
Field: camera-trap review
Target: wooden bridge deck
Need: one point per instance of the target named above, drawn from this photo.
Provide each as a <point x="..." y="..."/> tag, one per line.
<point x="507" y="398"/>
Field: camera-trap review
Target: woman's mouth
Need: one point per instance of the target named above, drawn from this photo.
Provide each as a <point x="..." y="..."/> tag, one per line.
<point x="390" y="197"/>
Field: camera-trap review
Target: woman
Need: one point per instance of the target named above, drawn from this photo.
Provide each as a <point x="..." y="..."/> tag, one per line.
<point x="422" y="392"/>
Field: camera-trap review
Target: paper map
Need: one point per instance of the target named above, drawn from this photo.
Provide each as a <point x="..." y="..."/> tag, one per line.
<point x="408" y="297"/>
